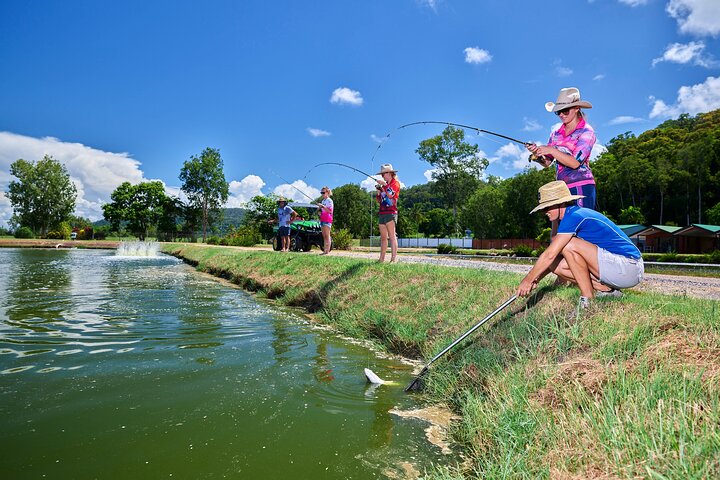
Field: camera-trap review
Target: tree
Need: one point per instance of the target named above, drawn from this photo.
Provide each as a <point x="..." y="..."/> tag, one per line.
<point x="204" y="184"/>
<point x="260" y="209"/>
<point x="140" y="206"/>
<point x="458" y="167"/>
<point x="43" y="195"/>
<point x="485" y="213"/>
<point x="631" y="216"/>
<point x="439" y="223"/>
<point x="353" y="209"/>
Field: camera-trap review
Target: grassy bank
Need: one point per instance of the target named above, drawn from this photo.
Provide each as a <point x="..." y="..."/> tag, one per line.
<point x="627" y="389"/>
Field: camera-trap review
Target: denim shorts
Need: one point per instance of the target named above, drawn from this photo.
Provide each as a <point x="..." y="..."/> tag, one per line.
<point x="387" y="218"/>
<point x="284" y="231"/>
<point x="326" y="224"/>
<point x="617" y="271"/>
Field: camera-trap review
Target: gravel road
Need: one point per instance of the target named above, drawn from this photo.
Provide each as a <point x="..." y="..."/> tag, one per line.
<point x="697" y="287"/>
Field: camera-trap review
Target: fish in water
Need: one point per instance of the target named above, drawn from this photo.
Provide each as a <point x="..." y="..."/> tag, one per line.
<point x="373" y="378"/>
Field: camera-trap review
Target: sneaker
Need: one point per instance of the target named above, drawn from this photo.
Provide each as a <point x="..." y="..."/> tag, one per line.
<point x="583" y="303"/>
<point x="610" y="293"/>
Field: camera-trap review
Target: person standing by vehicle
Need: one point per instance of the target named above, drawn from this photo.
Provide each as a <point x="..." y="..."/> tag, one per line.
<point x="387" y="196"/>
<point x="570" y="146"/>
<point x="326" y="218"/>
<point x="286" y="216"/>
<point x="589" y="250"/>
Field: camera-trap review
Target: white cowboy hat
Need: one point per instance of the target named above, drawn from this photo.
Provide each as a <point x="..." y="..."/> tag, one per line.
<point x="386" y="168"/>
<point x="554" y="193"/>
<point x="568" y="97"/>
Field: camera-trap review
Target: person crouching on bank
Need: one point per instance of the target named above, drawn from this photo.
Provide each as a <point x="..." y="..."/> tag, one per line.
<point x="589" y="250"/>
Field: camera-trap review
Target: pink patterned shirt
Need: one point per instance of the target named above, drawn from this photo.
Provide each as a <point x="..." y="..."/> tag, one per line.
<point x="579" y="144"/>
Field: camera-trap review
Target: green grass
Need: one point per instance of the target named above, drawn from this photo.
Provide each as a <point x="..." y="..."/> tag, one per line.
<point x="627" y="389"/>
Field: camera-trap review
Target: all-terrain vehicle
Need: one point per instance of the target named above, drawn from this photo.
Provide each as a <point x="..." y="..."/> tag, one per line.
<point x="303" y="233"/>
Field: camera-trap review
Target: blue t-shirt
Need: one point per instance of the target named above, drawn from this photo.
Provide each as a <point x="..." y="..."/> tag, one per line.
<point x="284" y="215"/>
<point x="596" y="228"/>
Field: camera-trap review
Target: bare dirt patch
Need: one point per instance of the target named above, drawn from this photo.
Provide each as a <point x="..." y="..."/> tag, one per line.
<point x="581" y="370"/>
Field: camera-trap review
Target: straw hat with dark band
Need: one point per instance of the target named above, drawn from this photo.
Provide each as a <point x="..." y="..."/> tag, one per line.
<point x="568" y="97"/>
<point x="554" y="193"/>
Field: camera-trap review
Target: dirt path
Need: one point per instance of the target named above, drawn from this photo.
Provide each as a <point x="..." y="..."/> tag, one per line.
<point x="696" y="287"/>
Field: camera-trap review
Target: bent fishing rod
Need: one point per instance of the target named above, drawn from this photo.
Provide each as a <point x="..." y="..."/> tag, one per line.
<point x="468" y="127"/>
<point x="342" y="165"/>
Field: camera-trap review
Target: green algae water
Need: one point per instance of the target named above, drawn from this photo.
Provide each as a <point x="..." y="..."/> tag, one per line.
<point x="139" y="367"/>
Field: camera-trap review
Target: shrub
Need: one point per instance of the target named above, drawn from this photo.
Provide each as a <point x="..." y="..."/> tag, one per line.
<point x="24" y="232"/>
<point x="56" y="235"/>
<point x="342" y="239"/>
<point x="444" y="248"/>
<point x="213" y="240"/>
<point x="539" y="251"/>
<point x="523" y="250"/>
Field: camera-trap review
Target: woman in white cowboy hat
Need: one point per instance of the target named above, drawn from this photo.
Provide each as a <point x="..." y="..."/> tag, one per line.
<point x="589" y="250"/>
<point x="387" y="196"/>
<point x="570" y="146"/>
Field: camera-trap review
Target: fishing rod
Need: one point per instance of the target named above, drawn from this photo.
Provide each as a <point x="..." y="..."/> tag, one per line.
<point x="468" y="127"/>
<point x="293" y="186"/>
<point x="342" y="165"/>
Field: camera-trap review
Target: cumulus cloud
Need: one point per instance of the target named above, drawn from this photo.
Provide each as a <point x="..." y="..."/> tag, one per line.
<point x="477" y="55"/>
<point x="696" y="17"/>
<point x="316" y="132"/>
<point x="292" y="190"/>
<point x="694" y="99"/>
<point x="429" y="174"/>
<point x="597" y="150"/>
<point x="344" y="95"/>
<point x="94" y="172"/>
<point x="622" y="119"/>
<point x="241" y="192"/>
<point x="531" y="125"/>
<point x="692" y="52"/>
<point x="512" y="154"/>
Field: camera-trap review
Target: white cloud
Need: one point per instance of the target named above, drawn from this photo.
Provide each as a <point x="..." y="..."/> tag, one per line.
<point x="344" y="95"/>
<point x="429" y="174"/>
<point x="477" y="55"/>
<point x="369" y="185"/>
<point x="531" y="125"/>
<point x="597" y="150"/>
<point x="563" y="71"/>
<point x="695" y="99"/>
<point x="95" y="173"/>
<point x="316" y="132"/>
<point x="377" y="139"/>
<point x="244" y="190"/>
<point x="685" y="53"/>
<point x="696" y="17"/>
<point x="512" y="154"/>
<point x="5" y="209"/>
<point x="293" y="190"/>
<point x="634" y="3"/>
<point x="599" y="76"/>
<point x="622" y="119"/>
<point x="430" y="3"/>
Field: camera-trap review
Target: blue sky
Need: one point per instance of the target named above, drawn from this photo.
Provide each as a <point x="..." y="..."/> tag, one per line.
<point x="130" y="90"/>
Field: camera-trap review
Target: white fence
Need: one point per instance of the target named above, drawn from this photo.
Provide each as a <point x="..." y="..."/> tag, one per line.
<point x="426" y="242"/>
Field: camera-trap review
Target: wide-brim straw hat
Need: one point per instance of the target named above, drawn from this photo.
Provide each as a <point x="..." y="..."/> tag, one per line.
<point x="554" y="193"/>
<point x="567" y="98"/>
<point x="281" y="200"/>
<point x="386" y="168"/>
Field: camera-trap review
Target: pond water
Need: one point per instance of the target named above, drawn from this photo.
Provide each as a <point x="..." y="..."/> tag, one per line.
<point x="140" y="367"/>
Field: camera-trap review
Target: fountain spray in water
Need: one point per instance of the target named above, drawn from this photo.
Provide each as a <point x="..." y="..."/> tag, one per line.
<point x="138" y="249"/>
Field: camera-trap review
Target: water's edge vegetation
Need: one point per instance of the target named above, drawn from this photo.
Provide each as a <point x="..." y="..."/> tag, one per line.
<point x="629" y="388"/>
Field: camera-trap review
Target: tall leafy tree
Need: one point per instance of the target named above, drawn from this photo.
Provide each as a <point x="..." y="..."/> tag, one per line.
<point x="458" y="168"/>
<point x="43" y="195"/>
<point x="139" y="206"/>
<point x="485" y="213"/>
<point x="205" y="185"/>
<point x="352" y="209"/>
<point x="261" y="209"/>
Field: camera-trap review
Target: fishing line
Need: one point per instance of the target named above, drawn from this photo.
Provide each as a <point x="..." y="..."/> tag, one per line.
<point x="342" y="165"/>
<point x="293" y="186"/>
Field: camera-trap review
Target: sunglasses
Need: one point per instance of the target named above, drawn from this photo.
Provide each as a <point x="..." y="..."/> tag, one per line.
<point x="564" y="111"/>
<point x="323" y="191"/>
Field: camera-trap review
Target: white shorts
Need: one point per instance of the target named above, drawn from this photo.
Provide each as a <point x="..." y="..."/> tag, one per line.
<point x="619" y="272"/>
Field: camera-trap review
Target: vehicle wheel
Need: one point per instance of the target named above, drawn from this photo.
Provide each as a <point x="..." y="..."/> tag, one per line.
<point x="307" y="246"/>
<point x="276" y="243"/>
<point x="296" y="244"/>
